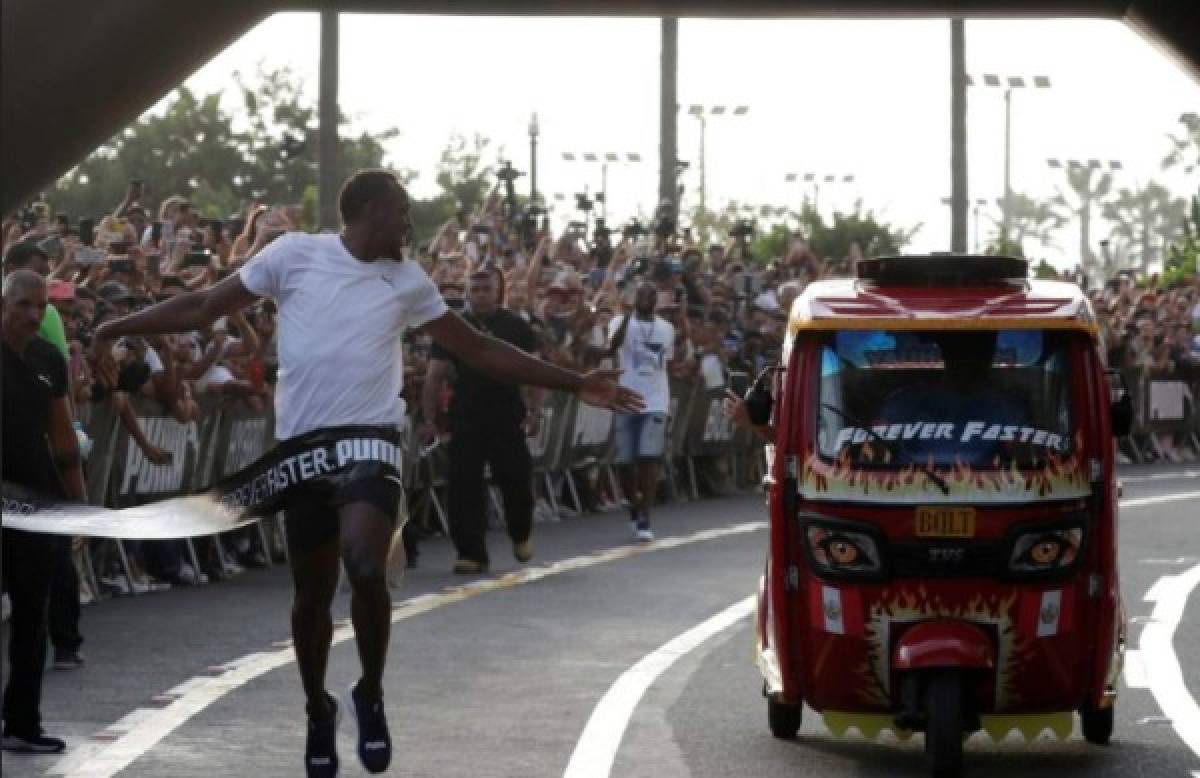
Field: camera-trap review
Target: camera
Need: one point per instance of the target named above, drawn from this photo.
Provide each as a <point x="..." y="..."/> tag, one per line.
<point x="527" y="226"/>
<point x="198" y="258"/>
<point x="87" y="232"/>
<point x="742" y="229"/>
<point x="507" y="173"/>
<point x="633" y="230"/>
<point x="664" y="219"/>
<point x="120" y="265"/>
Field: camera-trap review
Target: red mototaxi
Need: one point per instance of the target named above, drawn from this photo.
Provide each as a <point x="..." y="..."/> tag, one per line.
<point x="943" y="578"/>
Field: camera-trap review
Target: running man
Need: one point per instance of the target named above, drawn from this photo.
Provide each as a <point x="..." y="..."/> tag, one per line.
<point x="344" y="302"/>
<point x="644" y="342"/>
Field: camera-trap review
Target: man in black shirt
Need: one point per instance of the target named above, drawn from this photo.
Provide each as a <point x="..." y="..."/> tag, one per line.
<point x="41" y="453"/>
<point x="488" y="424"/>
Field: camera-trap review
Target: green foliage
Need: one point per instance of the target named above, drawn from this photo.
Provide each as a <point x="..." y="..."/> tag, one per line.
<point x="197" y="149"/>
<point x="1183" y="255"/>
<point x="1045" y="270"/>
<point x="831" y="241"/>
<point x="465" y="180"/>
<point x="1185" y="148"/>
<point x="1029" y="220"/>
<point x="1146" y="219"/>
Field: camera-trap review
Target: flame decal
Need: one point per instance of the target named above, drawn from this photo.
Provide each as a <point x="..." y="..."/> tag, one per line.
<point x="1062" y="477"/>
<point x="909" y="605"/>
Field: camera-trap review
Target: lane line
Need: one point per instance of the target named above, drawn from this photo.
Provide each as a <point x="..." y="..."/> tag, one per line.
<point x="196" y="694"/>
<point x="596" y="750"/>
<point x="1134" y="479"/>
<point x="1163" y="673"/>
<point x="1140" y="501"/>
<point x="151" y="725"/>
<point x="597" y="747"/>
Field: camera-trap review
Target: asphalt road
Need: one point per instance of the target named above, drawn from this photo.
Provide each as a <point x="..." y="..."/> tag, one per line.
<point x="500" y="677"/>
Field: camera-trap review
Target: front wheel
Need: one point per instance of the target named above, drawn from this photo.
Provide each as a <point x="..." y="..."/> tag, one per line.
<point x="1097" y="724"/>
<point x="944" y="728"/>
<point x="783" y="719"/>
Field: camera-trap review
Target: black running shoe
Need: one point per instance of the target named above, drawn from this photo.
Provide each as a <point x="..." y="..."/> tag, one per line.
<point x="37" y="743"/>
<point x="374" y="742"/>
<point x="320" y="752"/>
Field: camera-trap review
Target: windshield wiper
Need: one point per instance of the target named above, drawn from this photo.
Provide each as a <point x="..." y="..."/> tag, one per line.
<point x="896" y="452"/>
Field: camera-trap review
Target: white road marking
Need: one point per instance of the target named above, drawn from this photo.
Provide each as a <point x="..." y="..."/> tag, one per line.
<point x="1163" y="674"/>
<point x="151" y="725"/>
<point x="1140" y="501"/>
<point x="597" y="747"/>
<point x="1133" y="479"/>
<point x="1135" y="670"/>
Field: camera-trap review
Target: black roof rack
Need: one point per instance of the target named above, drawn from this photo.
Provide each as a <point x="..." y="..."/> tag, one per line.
<point x="942" y="270"/>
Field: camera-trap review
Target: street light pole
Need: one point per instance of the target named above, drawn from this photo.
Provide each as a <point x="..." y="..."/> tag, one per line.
<point x="1009" y="83"/>
<point x="700" y="111"/>
<point x="533" y="136"/>
<point x="1007" y="215"/>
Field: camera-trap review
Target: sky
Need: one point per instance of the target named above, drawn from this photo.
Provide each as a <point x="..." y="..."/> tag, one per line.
<point x="864" y="98"/>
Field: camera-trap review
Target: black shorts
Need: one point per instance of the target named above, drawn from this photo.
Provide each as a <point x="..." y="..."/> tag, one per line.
<point x="311" y="516"/>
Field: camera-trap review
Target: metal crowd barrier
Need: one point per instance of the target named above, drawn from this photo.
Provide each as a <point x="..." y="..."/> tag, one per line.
<point x="572" y="438"/>
<point x="1164" y="404"/>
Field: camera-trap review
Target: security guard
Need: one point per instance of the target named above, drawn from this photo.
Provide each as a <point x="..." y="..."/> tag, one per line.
<point x="488" y="423"/>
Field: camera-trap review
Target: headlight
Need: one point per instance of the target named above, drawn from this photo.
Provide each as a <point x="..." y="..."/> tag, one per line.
<point x="1046" y="550"/>
<point x="842" y="550"/>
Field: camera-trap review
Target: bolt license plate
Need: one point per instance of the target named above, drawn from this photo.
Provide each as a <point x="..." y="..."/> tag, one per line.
<point x="938" y="521"/>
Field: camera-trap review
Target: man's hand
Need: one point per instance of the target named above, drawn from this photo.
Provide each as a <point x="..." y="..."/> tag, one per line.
<point x="156" y="455"/>
<point x="600" y="388"/>
<point x="735" y="410"/>
<point x="533" y="423"/>
<point x="104" y="365"/>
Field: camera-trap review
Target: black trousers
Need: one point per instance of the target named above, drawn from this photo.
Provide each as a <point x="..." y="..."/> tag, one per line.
<point x="501" y="444"/>
<point x="64" y="601"/>
<point x="29" y="560"/>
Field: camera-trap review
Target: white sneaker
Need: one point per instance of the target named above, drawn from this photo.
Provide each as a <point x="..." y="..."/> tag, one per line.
<point x="642" y="530"/>
<point x="117" y="583"/>
<point x="188" y="575"/>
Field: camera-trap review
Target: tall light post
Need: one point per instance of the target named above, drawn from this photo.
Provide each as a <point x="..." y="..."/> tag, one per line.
<point x="533" y="136"/>
<point x="1008" y="84"/>
<point x="816" y="179"/>
<point x="1081" y="183"/>
<point x="609" y="157"/>
<point x="702" y="112"/>
<point x="976" y="205"/>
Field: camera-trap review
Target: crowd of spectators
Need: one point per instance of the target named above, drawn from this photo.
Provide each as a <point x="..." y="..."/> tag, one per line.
<point x="729" y="310"/>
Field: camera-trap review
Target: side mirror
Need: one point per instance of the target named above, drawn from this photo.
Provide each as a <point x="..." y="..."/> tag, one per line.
<point x="1121" y="404"/>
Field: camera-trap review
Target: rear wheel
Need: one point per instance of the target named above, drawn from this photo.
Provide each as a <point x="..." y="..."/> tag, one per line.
<point x="944" y="730"/>
<point x="783" y="719"/>
<point x="1097" y="724"/>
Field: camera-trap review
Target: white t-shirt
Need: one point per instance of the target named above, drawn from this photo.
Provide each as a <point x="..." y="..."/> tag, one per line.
<point x="712" y="371"/>
<point x="341" y="322"/>
<point x="643" y="355"/>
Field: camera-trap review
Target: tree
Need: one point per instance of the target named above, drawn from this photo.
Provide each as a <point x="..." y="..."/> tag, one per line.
<point x="1028" y="220"/>
<point x="1146" y="219"/>
<point x="197" y="149"/>
<point x="831" y="241"/>
<point x="1186" y="147"/>
<point x="1089" y="186"/>
<point x="1182" y="256"/>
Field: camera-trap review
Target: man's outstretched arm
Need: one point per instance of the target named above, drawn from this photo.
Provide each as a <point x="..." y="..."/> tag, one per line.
<point x="184" y="313"/>
<point x="503" y="362"/>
